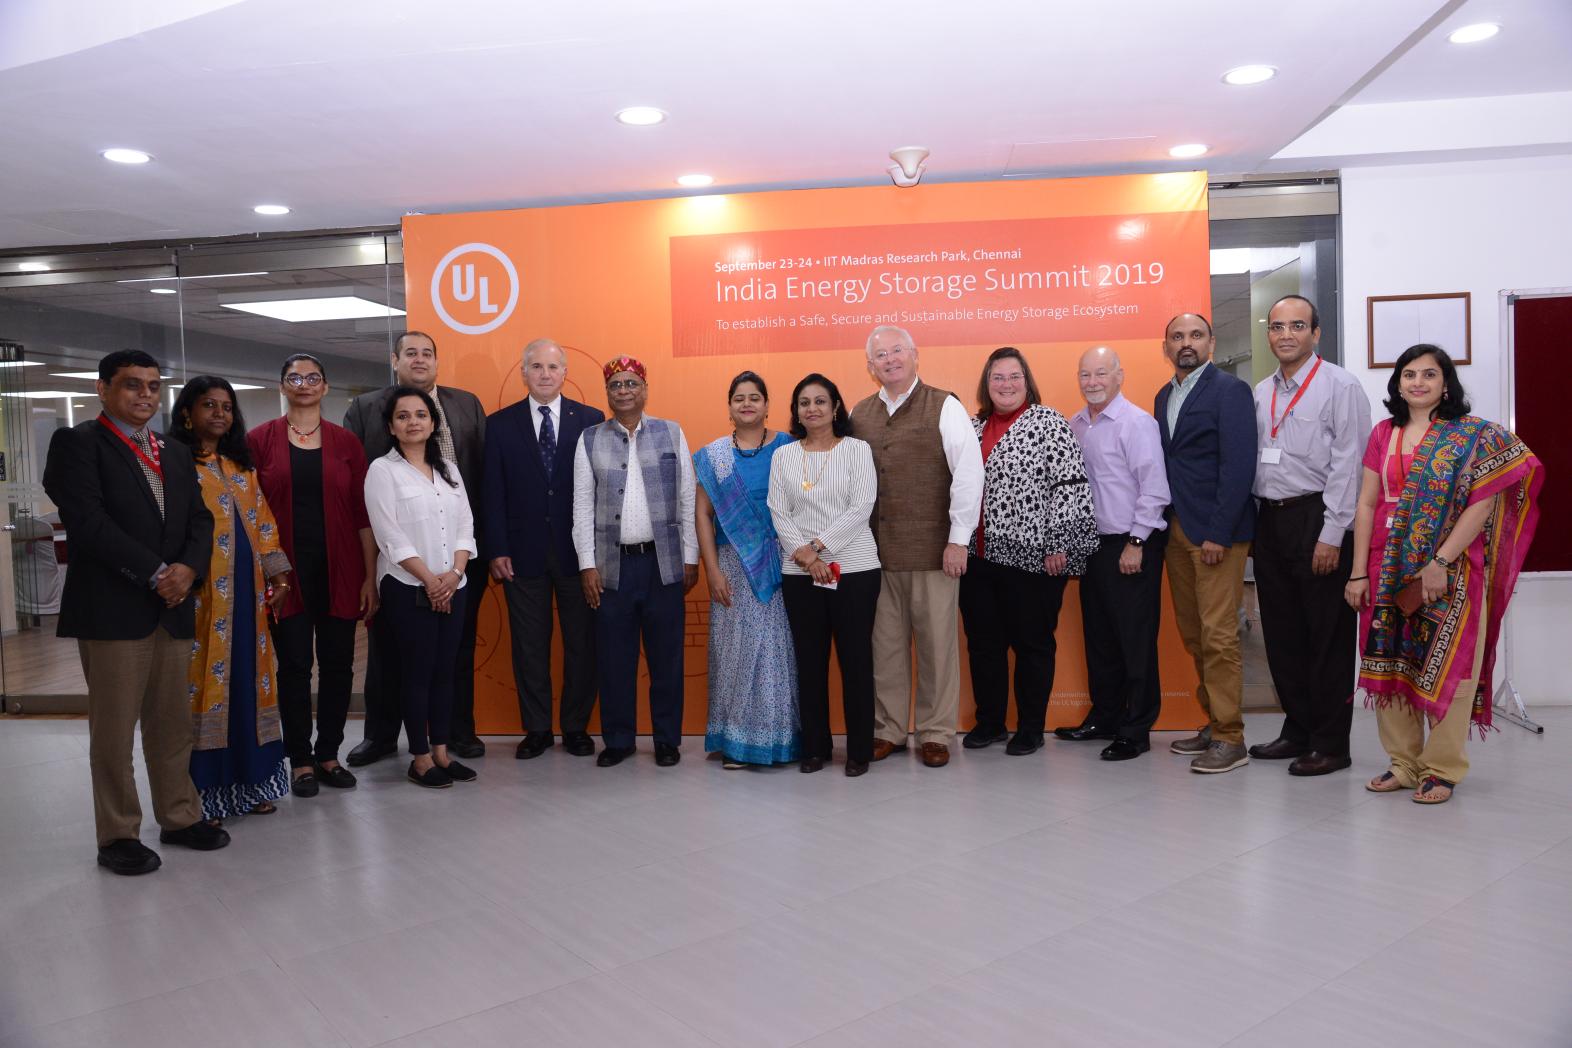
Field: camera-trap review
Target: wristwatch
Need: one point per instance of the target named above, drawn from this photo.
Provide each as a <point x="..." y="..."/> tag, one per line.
<point x="1439" y="559"/>
<point x="818" y="546"/>
<point x="1133" y="541"/>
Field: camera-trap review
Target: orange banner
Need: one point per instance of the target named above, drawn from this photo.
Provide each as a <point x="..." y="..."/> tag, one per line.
<point x="1100" y="261"/>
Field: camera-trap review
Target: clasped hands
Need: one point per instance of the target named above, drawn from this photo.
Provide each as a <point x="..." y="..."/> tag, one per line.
<point x="807" y="558"/>
<point x="173" y="584"/>
<point x="441" y="589"/>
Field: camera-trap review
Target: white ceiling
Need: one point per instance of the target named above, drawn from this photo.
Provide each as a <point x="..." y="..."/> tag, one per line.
<point x="354" y="112"/>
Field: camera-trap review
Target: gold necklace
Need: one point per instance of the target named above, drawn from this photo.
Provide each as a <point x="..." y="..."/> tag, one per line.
<point x="807" y="485"/>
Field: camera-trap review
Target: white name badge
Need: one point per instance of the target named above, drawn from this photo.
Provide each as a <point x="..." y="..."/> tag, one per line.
<point x="1271" y="456"/>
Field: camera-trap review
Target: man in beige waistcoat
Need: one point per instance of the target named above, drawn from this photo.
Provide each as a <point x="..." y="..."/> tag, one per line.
<point x="930" y="473"/>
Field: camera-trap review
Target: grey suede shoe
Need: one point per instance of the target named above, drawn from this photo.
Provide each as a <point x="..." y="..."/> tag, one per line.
<point x="1194" y="745"/>
<point x="1220" y="757"/>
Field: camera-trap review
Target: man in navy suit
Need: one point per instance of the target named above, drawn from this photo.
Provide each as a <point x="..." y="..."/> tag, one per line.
<point x="1207" y="418"/>
<point x="528" y="529"/>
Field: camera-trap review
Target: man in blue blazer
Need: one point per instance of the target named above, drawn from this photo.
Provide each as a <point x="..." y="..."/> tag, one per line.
<point x="528" y="537"/>
<point x="1207" y="419"/>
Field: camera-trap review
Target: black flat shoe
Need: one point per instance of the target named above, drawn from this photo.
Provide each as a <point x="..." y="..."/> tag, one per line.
<point x="1024" y="742"/>
<point x="128" y="857"/>
<point x="578" y="743"/>
<point x="532" y="745"/>
<point x="470" y="749"/>
<point x="304" y="785"/>
<point x="1122" y="749"/>
<point x="459" y="773"/>
<point x="201" y="835"/>
<point x="432" y="778"/>
<point x="1085" y="733"/>
<point x="666" y="754"/>
<point x="981" y="737"/>
<point x="1278" y="749"/>
<point x="809" y="765"/>
<point x="855" y="768"/>
<point x="338" y="778"/>
<point x="612" y="756"/>
<point x="369" y="752"/>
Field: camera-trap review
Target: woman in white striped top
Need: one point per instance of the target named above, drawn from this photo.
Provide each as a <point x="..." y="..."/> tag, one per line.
<point x="822" y="490"/>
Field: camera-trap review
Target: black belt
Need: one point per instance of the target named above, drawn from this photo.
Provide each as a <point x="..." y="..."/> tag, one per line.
<point x="637" y="548"/>
<point x="1294" y="501"/>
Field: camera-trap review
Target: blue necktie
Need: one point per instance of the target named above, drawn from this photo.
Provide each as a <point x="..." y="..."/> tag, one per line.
<point x="548" y="440"/>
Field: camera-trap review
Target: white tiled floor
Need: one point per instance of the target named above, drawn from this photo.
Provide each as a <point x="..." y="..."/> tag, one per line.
<point x="1047" y="900"/>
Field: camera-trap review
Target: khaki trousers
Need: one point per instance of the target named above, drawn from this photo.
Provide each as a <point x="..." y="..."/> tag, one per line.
<point x="1402" y="730"/>
<point x="130" y="681"/>
<point x="1206" y="609"/>
<point x="920" y="607"/>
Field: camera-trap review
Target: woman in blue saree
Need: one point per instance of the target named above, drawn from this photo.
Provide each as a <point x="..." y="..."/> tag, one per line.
<point x="752" y="671"/>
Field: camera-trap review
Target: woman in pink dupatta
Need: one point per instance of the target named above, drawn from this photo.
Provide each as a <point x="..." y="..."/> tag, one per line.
<point x="1446" y="511"/>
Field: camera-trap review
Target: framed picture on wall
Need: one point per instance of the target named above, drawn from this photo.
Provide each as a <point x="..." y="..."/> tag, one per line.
<point x="1396" y="322"/>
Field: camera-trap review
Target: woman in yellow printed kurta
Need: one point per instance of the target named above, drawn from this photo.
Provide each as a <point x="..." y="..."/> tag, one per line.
<point x="237" y="756"/>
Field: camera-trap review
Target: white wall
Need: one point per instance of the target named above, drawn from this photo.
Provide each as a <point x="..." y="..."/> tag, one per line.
<point x="1481" y="227"/>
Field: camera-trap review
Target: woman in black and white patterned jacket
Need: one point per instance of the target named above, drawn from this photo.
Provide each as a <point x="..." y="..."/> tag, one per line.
<point x="1036" y="531"/>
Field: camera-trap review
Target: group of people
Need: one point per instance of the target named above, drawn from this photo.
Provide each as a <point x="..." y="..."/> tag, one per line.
<point x="212" y="567"/>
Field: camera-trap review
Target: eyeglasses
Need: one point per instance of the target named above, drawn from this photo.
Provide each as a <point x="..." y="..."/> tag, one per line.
<point x="999" y="379"/>
<point x="893" y="351"/>
<point x="624" y="383"/>
<point x="1298" y="327"/>
<point x="297" y="380"/>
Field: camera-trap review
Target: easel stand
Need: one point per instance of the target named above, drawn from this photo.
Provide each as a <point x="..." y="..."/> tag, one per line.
<point x="1515" y="711"/>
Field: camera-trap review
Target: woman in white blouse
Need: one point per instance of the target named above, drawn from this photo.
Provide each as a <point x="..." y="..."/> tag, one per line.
<point x="822" y="490"/>
<point x="425" y="535"/>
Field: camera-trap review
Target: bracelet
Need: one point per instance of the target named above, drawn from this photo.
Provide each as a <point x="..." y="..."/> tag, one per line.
<point x="1360" y="578"/>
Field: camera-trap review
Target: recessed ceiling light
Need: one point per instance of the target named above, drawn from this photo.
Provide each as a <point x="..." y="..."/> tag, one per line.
<point x="695" y="181"/>
<point x="271" y="209"/>
<point x="161" y="290"/>
<point x="640" y="116"/>
<point x="86" y="376"/>
<point x="1249" y="74"/>
<point x="126" y="156"/>
<point x="1189" y="150"/>
<point x="298" y="310"/>
<point x="33" y="267"/>
<point x="1473" y="34"/>
<point x="1229" y="261"/>
<point x="21" y="363"/>
<point x="239" y="386"/>
<point x="42" y="394"/>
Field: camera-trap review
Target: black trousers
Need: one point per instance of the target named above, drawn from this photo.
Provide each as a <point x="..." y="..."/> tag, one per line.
<point x="384" y="705"/>
<point x="530" y="625"/>
<point x="1309" y="629"/>
<point x="641" y="605"/>
<point x="333" y="642"/>
<point x="1004" y="608"/>
<point x="427" y="643"/>
<point x="1119" y="616"/>
<point x="844" y="614"/>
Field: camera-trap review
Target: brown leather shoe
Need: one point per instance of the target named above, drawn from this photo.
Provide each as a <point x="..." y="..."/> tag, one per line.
<point x="883" y="748"/>
<point x="935" y="754"/>
<point x="1314" y="763"/>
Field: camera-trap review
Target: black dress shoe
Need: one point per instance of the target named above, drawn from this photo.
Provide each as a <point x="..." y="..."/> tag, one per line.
<point x="470" y="749"/>
<point x="1024" y="742"/>
<point x="578" y="743"/>
<point x="532" y="745"/>
<point x="666" y="754"/>
<point x="1314" y="763"/>
<point x="982" y="736"/>
<point x="304" y="785"/>
<point x="459" y="773"/>
<point x="1085" y="733"/>
<point x="611" y="756"/>
<point x="369" y="752"/>
<point x="1276" y="750"/>
<point x="1123" y="749"/>
<point x="201" y="835"/>
<point x="433" y="778"/>
<point x="338" y="778"/>
<point x="809" y="765"/>
<point x="855" y="768"/>
<point x="128" y="857"/>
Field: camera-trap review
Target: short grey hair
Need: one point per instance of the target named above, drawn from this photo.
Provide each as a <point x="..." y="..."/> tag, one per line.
<point x="888" y="329"/>
<point x="540" y="344"/>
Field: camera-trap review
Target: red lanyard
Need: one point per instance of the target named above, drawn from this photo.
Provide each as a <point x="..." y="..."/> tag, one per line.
<point x="1277" y="422"/>
<point x="151" y="463"/>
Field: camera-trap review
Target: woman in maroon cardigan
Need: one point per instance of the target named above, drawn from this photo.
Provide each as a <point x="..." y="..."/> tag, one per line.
<point x="313" y="474"/>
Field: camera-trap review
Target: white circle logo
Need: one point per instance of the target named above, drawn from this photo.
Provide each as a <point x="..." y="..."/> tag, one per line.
<point x="464" y="287"/>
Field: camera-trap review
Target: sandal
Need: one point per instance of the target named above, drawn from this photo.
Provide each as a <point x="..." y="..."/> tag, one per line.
<point x="1431" y="791"/>
<point x="1386" y="782"/>
<point x="265" y="808"/>
<point x="732" y="765"/>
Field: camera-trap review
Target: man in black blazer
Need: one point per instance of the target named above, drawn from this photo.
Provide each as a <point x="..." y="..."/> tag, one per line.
<point x="140" y="538"/>
<point x="463" y="431"/>
<point x="1207" y="420"/>
<point x="529" y="543"/>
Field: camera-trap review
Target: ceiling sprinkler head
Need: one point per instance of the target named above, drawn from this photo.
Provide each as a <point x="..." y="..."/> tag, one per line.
<point x="910" y="161"/>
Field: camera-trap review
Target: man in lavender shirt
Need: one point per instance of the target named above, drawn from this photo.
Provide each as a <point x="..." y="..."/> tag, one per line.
<point x="1121" y="591"/>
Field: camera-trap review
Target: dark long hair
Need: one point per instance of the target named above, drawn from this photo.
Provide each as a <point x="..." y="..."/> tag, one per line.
<point x="984" y="401"/>
<point x="434" y="457"/>
<point x="231" y="445"/>
<point x="747" y="376"/>
<point x="1454" y="401"/>
<point x="840" y="421"/>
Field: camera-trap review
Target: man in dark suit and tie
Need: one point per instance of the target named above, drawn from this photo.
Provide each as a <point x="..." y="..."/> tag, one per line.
<point x="1207" y="418"/>
<point x="463" y="428"/>
<point x="140" y="538"/>
<point x="529" y="542"/>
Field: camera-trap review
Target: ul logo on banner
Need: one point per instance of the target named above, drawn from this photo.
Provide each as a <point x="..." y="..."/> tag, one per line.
<point x="475" y="288"/>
